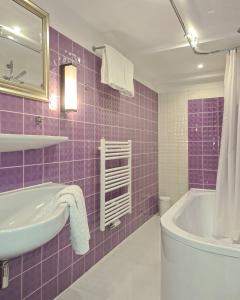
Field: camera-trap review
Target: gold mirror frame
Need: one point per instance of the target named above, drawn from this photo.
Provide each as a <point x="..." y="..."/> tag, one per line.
<point x="31" y="92"/>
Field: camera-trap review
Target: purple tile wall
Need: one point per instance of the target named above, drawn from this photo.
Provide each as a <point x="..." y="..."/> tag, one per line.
<point x="205" y="117"/>
<point x="102" y="112"/>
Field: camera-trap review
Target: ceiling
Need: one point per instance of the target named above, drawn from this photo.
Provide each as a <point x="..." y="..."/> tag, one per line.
<point x="148" y="33"/>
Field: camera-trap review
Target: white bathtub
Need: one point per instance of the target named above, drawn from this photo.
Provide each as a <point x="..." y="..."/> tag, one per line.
<point x="194" y="265"/>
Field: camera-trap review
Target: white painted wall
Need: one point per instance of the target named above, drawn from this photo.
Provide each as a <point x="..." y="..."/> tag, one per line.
<point x="173" y="136"/>
<point x="64" y="19"/>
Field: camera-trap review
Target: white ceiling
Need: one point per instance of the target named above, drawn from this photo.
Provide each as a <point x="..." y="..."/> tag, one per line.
<point x="148" y="33"/>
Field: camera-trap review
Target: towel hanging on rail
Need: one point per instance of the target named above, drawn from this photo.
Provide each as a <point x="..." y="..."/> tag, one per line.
<point x="117" y="71"/>
<point x="80" y="236"/>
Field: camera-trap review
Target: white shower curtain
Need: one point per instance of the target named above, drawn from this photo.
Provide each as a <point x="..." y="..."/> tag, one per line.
<point x="227" y="208"/>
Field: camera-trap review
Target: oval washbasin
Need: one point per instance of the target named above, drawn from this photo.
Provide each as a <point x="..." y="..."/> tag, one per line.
<point x="29" y="218"/>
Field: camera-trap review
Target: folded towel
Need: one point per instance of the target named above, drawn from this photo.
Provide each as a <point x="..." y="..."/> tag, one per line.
<point x="80" y="235"/>
<point x="117" y="71"/>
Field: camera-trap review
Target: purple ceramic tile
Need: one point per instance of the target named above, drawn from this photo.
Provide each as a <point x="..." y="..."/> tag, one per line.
<point x="64" y="280"/>
<point x="11" y="159"/>
<point x="195" y="106"/>
<point x="51" y="154"/>
<point x="65" y="45"/>
<point x="196" y="176"/>
<point x="66" y="172"/>
<point x="210" y="148"/>
<point x="32" y="258"/>
<point x="89" y="98"/>
<point x="210" y="105"/>
<point x="210" y="119"/>
<point x="196" y="186"/>
<point x="220" y="119"/>
<point x="35" y="296"/>
<point x="79" y="170"/>
<point x="195" y="162"/>
<point x="195" y="120"/>
<point x="54" y="92"/>
<point x="31" y="127"/>
<point x="78" y="269"/>
<point x="102" y="112"/>
<point x="210" y="177"/>
<point x="89" y="260"/>
<point x="15" y="267"/>
<point x="89" y="59"/>
<point x="50" y="248"/>
<point x="66" y="151"/>
<point x="33" y="157"/>
<point x="33" y="107"/>
<point x="221" y="104"/>
<point x="79" y="150"/>
<point x="54" y="61"/>
<point x="51" y="172"/>
<point x="78" y="53"/>
<point x="49" y="290"/>
<point x="49" y="268"/>
<point x="11" y="122"/>
<point x="210" y="133"/>
<point x="81" y="75"/>
<point x="204" y="150"/>
<point x="11" y="103"/>
<point x="210" y="162"/>
<point x="99" y="252"/>
<point x="53" y="39"/>
<point x="195" y="148"/>
<point x="11" y="178"/>
<point x="195" y="134"/>
<point x="89" y="78"/>
<point x="33" y="175"/>
<point x="51" y="126"/>
<point x="13" y="292"/>
<point x="31" y="280"/>
<point x="66" y="128"/>
<point x="65" y="258"/>
<point x="52" y="108"/>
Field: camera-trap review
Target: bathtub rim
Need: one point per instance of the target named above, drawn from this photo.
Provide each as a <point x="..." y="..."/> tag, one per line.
<point x="169" y="226"/>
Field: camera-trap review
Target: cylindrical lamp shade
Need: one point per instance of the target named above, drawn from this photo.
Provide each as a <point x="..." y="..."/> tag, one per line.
<point x="69" y="87"/>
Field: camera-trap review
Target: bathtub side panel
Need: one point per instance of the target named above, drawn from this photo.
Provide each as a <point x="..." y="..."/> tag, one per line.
<point x="189" y="273"/>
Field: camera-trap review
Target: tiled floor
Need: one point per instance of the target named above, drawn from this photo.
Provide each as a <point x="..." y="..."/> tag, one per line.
<point x="130" y="272"/>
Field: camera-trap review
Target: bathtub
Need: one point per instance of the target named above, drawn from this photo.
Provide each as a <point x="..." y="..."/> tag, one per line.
<point x="195" y="266"/>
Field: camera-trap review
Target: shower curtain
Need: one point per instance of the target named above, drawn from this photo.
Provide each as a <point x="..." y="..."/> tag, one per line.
<point x="227" y="206"/>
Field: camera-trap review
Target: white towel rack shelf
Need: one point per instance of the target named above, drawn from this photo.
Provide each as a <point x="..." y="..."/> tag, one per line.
<point x="115" y="178"/>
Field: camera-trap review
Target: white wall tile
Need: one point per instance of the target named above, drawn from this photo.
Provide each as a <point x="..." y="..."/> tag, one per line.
<point x="173" y="136"/>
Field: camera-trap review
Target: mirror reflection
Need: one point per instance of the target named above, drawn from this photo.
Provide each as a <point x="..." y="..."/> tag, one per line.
<point x="21" y="44"/>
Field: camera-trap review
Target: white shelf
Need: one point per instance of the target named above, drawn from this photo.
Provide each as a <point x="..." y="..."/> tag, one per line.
<point x="17" y="142"/>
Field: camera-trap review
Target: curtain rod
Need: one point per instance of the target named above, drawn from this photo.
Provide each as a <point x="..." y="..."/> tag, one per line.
<point x="188" y="39"/>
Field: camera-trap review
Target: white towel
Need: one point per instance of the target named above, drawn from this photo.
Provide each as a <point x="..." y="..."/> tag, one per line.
<point x="117" y="71"/>
<point x="80" y="235"/>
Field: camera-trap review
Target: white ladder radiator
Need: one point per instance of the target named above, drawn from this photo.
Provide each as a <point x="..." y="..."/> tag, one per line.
<point x="113" y="179"/>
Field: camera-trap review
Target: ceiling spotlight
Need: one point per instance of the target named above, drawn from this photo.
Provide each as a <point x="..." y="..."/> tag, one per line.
<point x="200" y="66"/>
<point x="192" y="37"/>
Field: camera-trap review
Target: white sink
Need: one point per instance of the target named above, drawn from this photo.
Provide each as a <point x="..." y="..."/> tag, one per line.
<point x="29" y="218"/>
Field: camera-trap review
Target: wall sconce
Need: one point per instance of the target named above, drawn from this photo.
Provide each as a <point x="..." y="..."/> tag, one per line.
<point x="68" y="87"/>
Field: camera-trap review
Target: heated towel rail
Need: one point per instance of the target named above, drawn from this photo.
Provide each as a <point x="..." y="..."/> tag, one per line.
<point x="112" y="180"/>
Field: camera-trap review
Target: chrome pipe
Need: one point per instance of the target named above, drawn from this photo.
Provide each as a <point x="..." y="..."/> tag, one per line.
<point x="177" y="13"/>
<point x="4" y="274"/>
<point x="95" y="48"/>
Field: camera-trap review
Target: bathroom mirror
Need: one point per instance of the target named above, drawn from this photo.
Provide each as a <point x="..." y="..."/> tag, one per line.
<point x="24" y="49"/>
